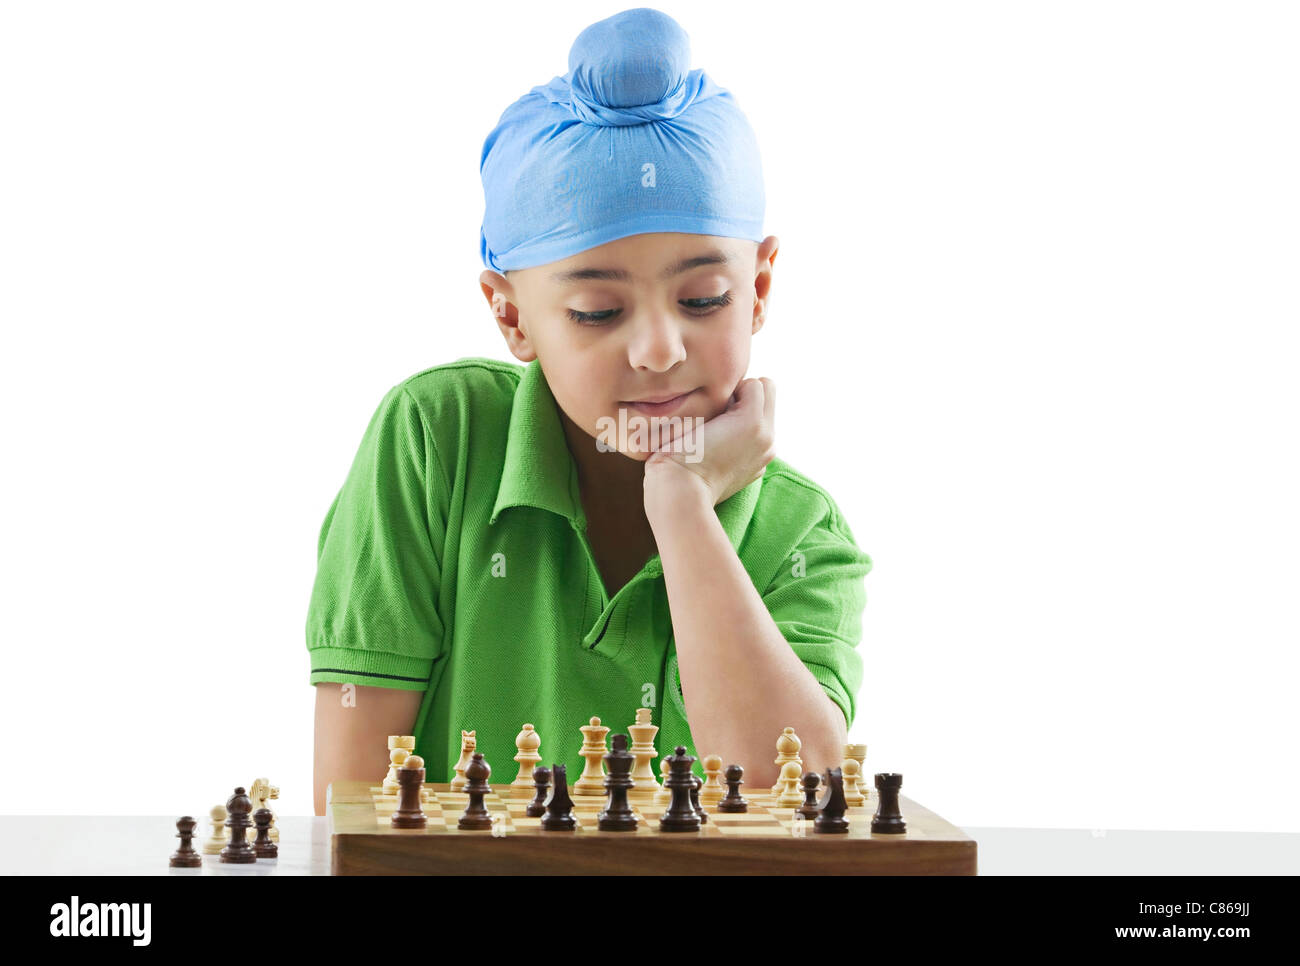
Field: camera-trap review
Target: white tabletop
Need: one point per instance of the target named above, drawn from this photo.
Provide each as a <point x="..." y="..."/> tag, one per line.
<point x="142" y="845"/>
<point x="136" y="845"/>
<point x="1063" y="851"/>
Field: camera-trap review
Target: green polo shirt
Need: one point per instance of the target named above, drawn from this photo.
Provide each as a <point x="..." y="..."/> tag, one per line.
<point x="454" y="561"/>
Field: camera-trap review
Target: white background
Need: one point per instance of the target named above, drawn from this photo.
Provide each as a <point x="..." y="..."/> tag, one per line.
<point x="1033" y="325"/>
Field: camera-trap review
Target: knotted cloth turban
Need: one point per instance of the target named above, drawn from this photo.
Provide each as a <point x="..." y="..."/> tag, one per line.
<point x="628" y="141"/>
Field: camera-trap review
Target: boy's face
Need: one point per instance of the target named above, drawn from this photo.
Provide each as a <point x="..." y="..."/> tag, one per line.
<point x="639" y="318"/>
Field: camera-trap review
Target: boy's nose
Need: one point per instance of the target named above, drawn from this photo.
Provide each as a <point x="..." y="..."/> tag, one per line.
<point x="656" y="344"/>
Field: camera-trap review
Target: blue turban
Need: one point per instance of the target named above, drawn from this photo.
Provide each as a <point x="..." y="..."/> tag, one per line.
<point x="628" y="141"/>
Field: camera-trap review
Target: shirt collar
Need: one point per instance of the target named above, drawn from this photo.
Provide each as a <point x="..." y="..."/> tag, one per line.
<point x="539" y="470"/>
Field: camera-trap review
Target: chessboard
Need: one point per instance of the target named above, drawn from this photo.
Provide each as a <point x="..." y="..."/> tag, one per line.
<point x="766" y="840"/>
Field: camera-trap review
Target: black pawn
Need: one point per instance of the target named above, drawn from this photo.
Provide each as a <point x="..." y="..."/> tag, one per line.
<point x="681" y="815"/>
<point x="542" y="782"/>
<point x="263" y="847"/>
<point x="830" y="817"/>
<point x="476" y="814"/>
<point x="238" y="807"/>
<point x="810" y="808"/>
<point x="559" y="807"/>
<point x="185" y="857"/>
<point x="617" y="816"/>
<point x="734" y="802"/>
<point x="888" y="819"/>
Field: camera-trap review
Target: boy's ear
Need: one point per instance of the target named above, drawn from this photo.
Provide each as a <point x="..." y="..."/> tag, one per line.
<point x="500" y="295"/>
<point x="766" y="259"/>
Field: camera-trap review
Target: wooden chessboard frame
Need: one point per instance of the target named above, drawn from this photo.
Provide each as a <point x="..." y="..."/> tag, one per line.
<point x="760" y="842"/>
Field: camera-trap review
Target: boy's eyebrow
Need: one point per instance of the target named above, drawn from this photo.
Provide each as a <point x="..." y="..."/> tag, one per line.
<point x="715" y="256"/>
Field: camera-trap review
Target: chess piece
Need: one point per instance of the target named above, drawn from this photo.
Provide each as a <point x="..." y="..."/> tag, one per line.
<point x="789" y="784"/>
<point x="263" y="847"/>
<point x="185" y="857"/>
<point x="476" y="814"/>
<point x="238" y="851"/>
<point x="399" y="746"/>
<point x="527" y="741"/>
<point x="559" y="807"/>
<point x="617" y="816"/>
<point x="810" y="808"/>
<point x="467" y="745"/>
<point x="219" y="836"/>
<point x="262" y="793"/>
<point x="592" y="779"/>
<point x="734" y="802"/>
<point x="542" y="779"/>
<point x="852" y="771"/>
<point x="712" y="791"/>
<point x="410" y="778"/>
<point x="859" y="754"/>
<point x="396" y="758"/>
<point x="643" y="749"/>
<point x="681" y="815"/>
<point x="787" y="750"/>
<point x="696" y="782"/>
<point x="664" y="795"/>
<point x="830" y="814"/>
<point x="888" y="820"/>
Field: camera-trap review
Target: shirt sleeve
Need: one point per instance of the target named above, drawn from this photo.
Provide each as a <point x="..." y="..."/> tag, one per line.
<point x="817" y="600"/>
<point x="373" y="617"/>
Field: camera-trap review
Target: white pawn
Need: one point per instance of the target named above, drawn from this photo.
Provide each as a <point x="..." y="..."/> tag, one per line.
<point x="790" y="796"/>
<point x="787" y="749"/>
<point x="665" y="794"/>
<point x="859" y="754"/>
<point x="852" y="771"/>
<point x="713" y="790"/>
<point x="527" y="741"/>
<point x="220" y="834"/>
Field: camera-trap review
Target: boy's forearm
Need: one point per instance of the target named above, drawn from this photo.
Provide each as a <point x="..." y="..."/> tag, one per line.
<point x="741" y="681"/>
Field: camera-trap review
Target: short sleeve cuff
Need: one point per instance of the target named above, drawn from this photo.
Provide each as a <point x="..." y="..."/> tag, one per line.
<point x="350" y="665"/>
<point x="834" y="688"/>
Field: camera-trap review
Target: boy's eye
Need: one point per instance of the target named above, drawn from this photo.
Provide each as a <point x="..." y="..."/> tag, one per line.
<point x="716" y="302"/>
<point x="590" y="318"/>
<point x="697" y="307"/>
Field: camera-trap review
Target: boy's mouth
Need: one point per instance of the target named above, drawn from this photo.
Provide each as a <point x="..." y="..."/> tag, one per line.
<point x="663" y="407"/>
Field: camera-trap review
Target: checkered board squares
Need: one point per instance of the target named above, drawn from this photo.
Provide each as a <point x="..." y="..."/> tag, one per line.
<point x="443" y="810"/>
<point x="766" y="840"/>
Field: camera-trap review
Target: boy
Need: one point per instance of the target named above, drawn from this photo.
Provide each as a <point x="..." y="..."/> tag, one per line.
<point x="606" y="527"/>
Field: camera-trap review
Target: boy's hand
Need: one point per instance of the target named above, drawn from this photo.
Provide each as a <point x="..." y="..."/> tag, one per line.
<point x="731" y="451"/>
